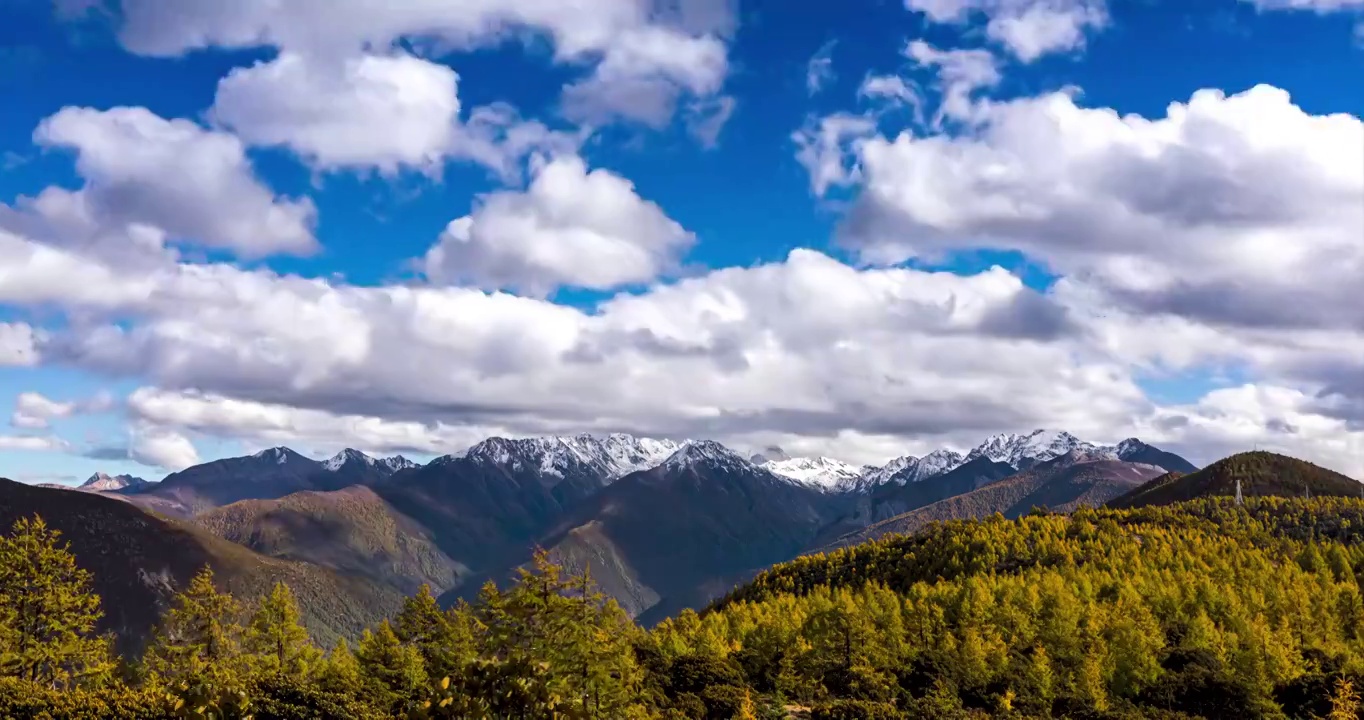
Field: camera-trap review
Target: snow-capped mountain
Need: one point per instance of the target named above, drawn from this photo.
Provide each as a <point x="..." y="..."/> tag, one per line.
<point x="821" y="473"/>
<point x="100" y="482"/>
<point x="704" y="452"/>
<point x="1024" y="451"/>
<point x="613" y="456"/>
<point x="388" y="464"/>
<point x="909" y="469"/>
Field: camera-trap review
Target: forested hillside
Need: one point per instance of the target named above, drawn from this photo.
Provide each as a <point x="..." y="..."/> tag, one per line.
<point x="1200" y="609"/>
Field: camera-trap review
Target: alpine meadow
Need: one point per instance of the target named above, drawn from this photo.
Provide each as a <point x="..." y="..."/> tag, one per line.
<point x="681" y="360"/>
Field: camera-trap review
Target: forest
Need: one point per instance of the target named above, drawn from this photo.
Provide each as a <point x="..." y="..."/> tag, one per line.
<point x="1198" y="609"/>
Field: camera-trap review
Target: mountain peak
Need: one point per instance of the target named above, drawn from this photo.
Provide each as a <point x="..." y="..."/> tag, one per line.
<point x="337" y="461"/>
<point x="278" y="454"/>
<point x="101" y="482"/>
<point x="703" y="452"/>
<point x="820" y="473"/>
<point x="1022" y="451"/>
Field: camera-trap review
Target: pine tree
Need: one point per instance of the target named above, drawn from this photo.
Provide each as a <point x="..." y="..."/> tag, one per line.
<point x="445" y="639"/>
<point x="199" y="641"/>
<point x="389" y="667"/>
<point x="276" y="639"/>
<point x="341" y="671"/>
<point x="47" y="610"/>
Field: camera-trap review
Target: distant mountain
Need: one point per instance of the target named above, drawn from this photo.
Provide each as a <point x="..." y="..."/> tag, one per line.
<point x="910" y="469"/>
<point x="820" y="473"/>
<point x="492" y="499"/>
<point x="1024" y="451"/>
<point x="268" y="474"/>
<point x="139" y="561"/>
<point x="99" y="482"/>
<point x="1134" y="450"/>
<point x="1061" y="484"/>
<point x="683" y="532"/>
<point x="1260" y="473"/>
<point x="352" y="530"/>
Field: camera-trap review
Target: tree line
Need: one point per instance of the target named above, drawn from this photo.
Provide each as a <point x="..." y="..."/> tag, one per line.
<point x="1203" y="609"/>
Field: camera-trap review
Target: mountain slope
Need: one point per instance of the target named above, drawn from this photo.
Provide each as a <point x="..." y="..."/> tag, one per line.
<point x="350" y="530"/>
<point x="1260" y="473"/>
<point x="268" y="474"/>
<point x="676" y="535"/>
<point x="1134" y="450"/>
<point x="139" y="561"/>
<point x="1062" y="485"/>
<point x="99" y="482"/>
<point x="820" y="473"/>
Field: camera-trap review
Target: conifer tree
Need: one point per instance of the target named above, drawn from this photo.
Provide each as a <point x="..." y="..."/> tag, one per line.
<point x="444" y="639"/>
<point x="199" y="641"/>
<point x="277" y="639"/>
<point x="47" y="610"/>
<point x="389" y="667"/>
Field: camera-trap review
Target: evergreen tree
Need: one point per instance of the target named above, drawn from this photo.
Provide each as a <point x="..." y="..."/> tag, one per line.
<point x="198" y="646"/>
<point x="444" y="639"/>
<point x="277" y="639"/>
<point x="388" y="667"/>
<point x="47" y="610"/>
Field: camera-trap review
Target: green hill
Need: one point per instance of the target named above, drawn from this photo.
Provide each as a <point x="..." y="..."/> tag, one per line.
<point x="352" y="531"/>
<point x="1260" y="473"/>
<point x="140" y="561"/>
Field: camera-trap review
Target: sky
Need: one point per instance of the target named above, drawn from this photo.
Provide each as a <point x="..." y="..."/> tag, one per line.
<point x="858" y="229"/>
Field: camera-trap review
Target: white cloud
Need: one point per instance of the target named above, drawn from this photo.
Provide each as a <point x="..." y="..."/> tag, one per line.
<point x="820" y="68"/>
<point x="17" y="347"/>
<point x="827" y="148"/>
<point x="273" y="424"/>
<point x="960" y="74"/>
<point x="374" y="110"/>
<point x="32" y="442"/>
<point x="890" y="88"/>
<point x="35" y="411"/>
<point x="162" y="179"/>
<point x="571" y="227"/>
<point x="643" y="59"/>
<point x="1029" y="29"/>
<point x="162" y="448"/>
<point x="706" y="118"/>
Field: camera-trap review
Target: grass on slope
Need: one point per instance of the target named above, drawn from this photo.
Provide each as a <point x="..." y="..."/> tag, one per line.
<point x="1260" y="473"/>
<point x="139" y="561"/>
<point x="353" y="531"/>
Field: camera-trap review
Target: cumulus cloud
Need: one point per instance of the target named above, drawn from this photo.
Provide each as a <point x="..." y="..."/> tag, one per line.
<point x="1233" y="210"/>
<point x="571" y="227"/>
<point x="387" y="112"/>
<point x="35" y="411"/>
<point x="374" y="110"/>
<point x="162" y="448"/>
<point x="642" y="58"/>
<point x="1029" y="29"/>
<point x="155" y="180"/>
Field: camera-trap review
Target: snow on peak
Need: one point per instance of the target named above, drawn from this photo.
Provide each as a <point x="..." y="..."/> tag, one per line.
<point x="1026" y="450"/>
<point x="695" y="452"/>
<point x="395" y="463"/>
<point x="910" y="469"/>
<point x="279" y="455"/>
<point x="613" y="456"/>
<point x="339" y="460"/>
<point x="820" y="473"/>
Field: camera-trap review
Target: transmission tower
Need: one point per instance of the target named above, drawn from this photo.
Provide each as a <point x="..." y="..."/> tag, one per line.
<point x="1239" y="499"/>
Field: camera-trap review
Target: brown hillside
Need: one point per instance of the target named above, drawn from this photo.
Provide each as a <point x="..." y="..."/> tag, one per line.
<point x="353" y="531"/>
<point x="1260" y="473"/>
<point x="139" y="561"/>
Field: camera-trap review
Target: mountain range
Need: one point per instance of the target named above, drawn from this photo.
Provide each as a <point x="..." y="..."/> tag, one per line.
<point x="661" y="525"/>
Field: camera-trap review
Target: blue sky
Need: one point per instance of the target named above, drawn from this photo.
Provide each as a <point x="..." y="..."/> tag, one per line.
<point x="687" y="206"/>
